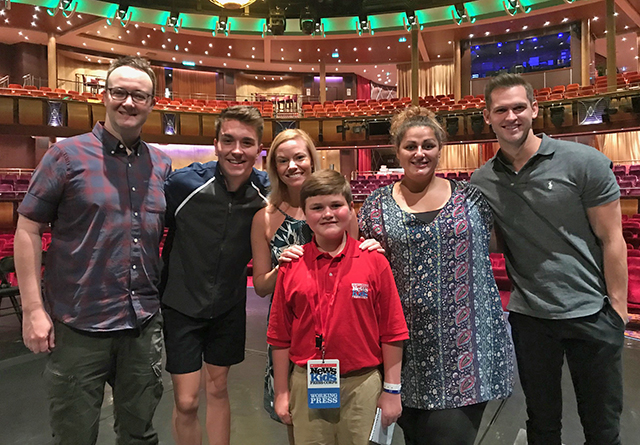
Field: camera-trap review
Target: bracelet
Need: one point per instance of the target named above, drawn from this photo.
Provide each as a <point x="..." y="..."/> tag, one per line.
<point x="392" y="388"/>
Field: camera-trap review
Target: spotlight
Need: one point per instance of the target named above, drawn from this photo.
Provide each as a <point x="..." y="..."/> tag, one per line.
<point x="276" y="22"/>
<point x="410" y="21"/>
<point x="307" y="21"/>
<point x="363" y="24"/>
<point x="222" y="26"/>
<point x="63" y="6"/>
<point x="174" y="21"/>
<point x="319" y="28"/>
<point x="121" y="13"/>
<point x="460" y="14"/>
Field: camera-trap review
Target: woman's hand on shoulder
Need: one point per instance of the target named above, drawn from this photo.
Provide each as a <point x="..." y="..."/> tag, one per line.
<point x="370" y="245"/>
<point x="290" y="254"/>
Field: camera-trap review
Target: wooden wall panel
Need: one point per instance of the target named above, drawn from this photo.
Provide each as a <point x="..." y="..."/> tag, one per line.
<point x="78" y="116"/>
<point x="329" y="132"/>
<point x="312" y="127"/>
<point x="31" y="111"/>
<point x="209" y="125"/>
<point x="153" y="124"/>
<point x="98" y="113"/>
<point x="6" y="110"/>
<point x="189" y="124"/>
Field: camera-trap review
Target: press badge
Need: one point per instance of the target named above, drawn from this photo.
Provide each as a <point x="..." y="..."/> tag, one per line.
<point x="323" y="383"/>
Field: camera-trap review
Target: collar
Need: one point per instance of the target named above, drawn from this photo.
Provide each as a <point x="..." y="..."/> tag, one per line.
<point x="111" y="143"/>
<point x="547" y="148"/>
<point x="349" y="249"/>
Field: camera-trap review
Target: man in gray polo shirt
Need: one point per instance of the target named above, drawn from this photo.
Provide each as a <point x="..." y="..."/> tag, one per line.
<point x="557" y="211"/>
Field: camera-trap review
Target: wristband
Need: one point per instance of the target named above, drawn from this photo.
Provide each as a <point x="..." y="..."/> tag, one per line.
<point x="392" y="388"/>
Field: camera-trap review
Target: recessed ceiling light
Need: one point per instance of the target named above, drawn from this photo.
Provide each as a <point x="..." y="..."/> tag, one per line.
<point x="200" y="62"/>
<point x="471" y="36"/>
<point x="247" y="66"/>
<point x="112" y="49"/>
<point x="339" y="60"/>
<point x="256" y="77"/>
<point x="253" y="48"/>
<point x="79" y="16"/>
<point x="525" y="27"/>
<point x="318" y="49"/>
<point x="138" y="53"/>
<point x="68" y="22"/>
<point x="299" y="50"/>
<point x="355" y="49"/>
<point x="281" y="49"/>
<point x="136" y="25"/>
<point x="636" y="57"/>
<point x="229" y="46"/>
<point x="487" y="33"/>
<point x="224" y="64"/>
<point x="120" y="37"/>
<point x="84" y="44"/>
<point x="290" y="68"/>
<point x="375" y="66"/>
<point x="626" y="27"/>
<point x="105" y="26"/>
<point x="632" y="49"/>
<point x="26" y="37"/>
<point x="35" y="16"/>
<point x="313" y="69"/>
<point x="507" y="30"/>
<point x="565" y="20"/>
<point x="369" y="48"/>
<point x="228" y="54"/>
<point x="34" y="24"/>
<point x="365" y="71"/>
<point x="595" y="19"/>
<point x="356" y="60"/>
<point x="624" y="39"/>
<point x="299" y="60"/>
<point x="336" y="69"/>
<point x="210" y="45"/>
<point x="206" y="52"/>
<point x="144" y="42"/>
<point x="36" y="8"/>
<point x="164" y="46"/>
<point x="280" y="77"/>
<point x="186" y="50"/>
<point x="438" y="56"/>
<point x="173" y="58"/>
<point x="449" y="42"/>
<point x="253" y="56"/>
<point x="547" y="23"/>
<point x="128" y="31"/>
<point x="281" y="58"/>
<point x="169" y="40"/>
<point x="615" y="14"/>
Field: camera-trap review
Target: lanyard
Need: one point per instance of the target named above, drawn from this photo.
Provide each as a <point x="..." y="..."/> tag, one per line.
<point x="322" y="326"/>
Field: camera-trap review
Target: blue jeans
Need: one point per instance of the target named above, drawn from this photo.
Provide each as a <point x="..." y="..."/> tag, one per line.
<point x="593" y="348"/>
<point x="80" y="365"/>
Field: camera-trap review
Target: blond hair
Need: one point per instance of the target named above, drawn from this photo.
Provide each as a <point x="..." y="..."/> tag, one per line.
<point x="279" y="191"/>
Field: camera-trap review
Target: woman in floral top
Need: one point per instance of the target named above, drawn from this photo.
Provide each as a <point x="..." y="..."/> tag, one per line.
<point x="436" y="234"/>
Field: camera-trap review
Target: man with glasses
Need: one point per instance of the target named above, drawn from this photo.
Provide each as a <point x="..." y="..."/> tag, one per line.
<point x="98" y="317"/>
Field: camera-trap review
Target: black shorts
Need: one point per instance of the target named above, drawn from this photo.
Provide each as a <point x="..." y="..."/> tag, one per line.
<point x="220" y="340"/>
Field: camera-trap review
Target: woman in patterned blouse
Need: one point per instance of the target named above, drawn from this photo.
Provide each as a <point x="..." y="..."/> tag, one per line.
<point x="436" y="234"/>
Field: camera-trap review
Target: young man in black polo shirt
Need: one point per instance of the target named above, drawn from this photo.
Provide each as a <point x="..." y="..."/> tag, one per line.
<point x="557" y="208"/>
<point x="209" y="212"/>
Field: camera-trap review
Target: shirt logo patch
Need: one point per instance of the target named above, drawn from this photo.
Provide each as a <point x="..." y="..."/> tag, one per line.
<point x="359" y="290"/>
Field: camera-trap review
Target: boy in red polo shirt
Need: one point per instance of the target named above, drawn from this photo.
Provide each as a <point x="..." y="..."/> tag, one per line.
<point x="337" y="316"/>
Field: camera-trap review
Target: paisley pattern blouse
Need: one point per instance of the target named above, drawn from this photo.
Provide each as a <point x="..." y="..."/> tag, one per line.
<point x="459" y="352"/>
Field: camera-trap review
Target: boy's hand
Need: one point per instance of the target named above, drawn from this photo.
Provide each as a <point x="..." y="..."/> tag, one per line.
<point x="370" y="245"/>
<point x="291" y="253"/>
<point x="391" y="407"/>
<point x="281" y="405"/>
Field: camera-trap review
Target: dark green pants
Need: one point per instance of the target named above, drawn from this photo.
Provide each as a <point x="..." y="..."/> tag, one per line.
<point x="80" y="365"/>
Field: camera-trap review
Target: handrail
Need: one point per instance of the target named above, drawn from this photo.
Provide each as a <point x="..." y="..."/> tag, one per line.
<point x="28" y="79"/>
<point x="4" y="81"/>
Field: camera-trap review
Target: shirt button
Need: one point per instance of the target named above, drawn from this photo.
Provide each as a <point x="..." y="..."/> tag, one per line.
<point x="330" y="274"/>
<point x="133" y="267"/>
<point x="512" y="183"/>
<point x="129" y="164"/>
<point x="113" y="152"/>
<point x="133" y="189"/>
<point x="133" y="292"/>
<point x="135" y="213"/>
<point x="135" y="240"/>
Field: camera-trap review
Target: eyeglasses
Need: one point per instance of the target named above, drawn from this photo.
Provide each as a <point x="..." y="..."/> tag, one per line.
<point x="139" y="97"/>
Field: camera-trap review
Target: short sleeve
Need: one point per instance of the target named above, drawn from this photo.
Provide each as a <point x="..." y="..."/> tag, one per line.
<point x="370" y="218"/>
<point x="46" y="187"/>
<point x="391" y="322"/>
<point x="599" y="183"/>
<point x="476" y="199"/>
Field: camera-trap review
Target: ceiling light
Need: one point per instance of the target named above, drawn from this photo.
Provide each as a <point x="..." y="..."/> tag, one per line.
<point x="229" y="46"/>
<point x="565" y="20"/>
<point x="624" y="39"/>
<point x="471" y="36"/>
<point x="547" y="23"/>
<point x="507" y="30"/>
<point x="307" y="21"/>
<point x="253" y="56"/>
<point x="525" y="27"/>
<point x="206" y="52"/>
<point x="487" y="33"/>
<point x="210" y="45"/>
<point x="276" y="21"/>
<point x="595" y="19"/>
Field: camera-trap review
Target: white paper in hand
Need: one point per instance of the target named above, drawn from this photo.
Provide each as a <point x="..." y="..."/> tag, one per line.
<point x="379" y="435"/>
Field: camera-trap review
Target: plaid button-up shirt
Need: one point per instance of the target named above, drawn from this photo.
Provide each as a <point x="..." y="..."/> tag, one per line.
<point x="106" y="209"/>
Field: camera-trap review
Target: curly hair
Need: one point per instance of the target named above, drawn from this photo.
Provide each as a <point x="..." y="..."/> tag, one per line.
<point x="415" y="116"/>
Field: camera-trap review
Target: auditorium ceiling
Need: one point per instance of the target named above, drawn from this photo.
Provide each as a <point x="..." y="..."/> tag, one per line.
<point x="93" y="31"/>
